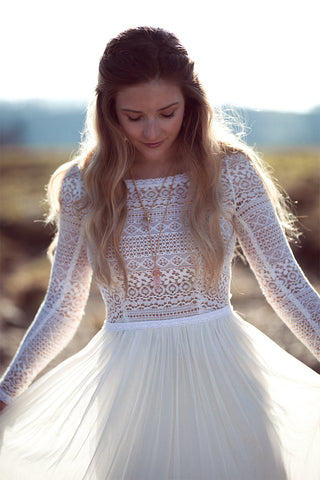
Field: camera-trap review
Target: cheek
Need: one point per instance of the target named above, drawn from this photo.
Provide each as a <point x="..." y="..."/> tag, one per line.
<point x="129" y="130"/>
<point x="178" y="124"/>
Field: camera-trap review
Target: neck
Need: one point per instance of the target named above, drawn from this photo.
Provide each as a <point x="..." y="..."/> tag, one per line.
<point x="149" y="171"/>
<point x="142" y="169"/>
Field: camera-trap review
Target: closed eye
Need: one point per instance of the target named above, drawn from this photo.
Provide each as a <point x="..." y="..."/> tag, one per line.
<point x="163" y="115"/>
<point x="168" y="115"/>
<point x="133" y="119"/>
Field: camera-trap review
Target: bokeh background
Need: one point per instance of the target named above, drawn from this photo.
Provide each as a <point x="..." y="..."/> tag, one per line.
<point x="257" y="60"/>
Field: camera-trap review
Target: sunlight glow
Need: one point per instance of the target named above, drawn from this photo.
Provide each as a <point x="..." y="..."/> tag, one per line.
<point x="253" y="54"/>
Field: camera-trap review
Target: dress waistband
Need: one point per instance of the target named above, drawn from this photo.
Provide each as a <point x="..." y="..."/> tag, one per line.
<point x="174" y="322"/>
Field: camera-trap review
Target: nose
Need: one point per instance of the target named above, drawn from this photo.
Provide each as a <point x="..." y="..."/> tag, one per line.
<point x="151" y="129"/>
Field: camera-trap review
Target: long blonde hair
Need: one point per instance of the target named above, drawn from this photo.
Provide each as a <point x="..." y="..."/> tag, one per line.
<point x="136" y="56"/>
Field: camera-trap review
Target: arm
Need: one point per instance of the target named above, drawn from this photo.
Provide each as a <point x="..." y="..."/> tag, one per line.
<point x="266" y="248"/>
<point x="60" y="313"/>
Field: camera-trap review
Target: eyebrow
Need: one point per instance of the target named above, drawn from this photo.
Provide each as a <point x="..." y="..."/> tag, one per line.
<point x="139" y="111"/>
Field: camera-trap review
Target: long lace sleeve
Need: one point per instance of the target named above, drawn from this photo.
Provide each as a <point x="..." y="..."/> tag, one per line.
<point x="62" y="308"/>
<point x="266" y="248"/>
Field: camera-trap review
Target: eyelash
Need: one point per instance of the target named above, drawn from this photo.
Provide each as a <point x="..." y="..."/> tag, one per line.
<point x="170" y="115"/>
<point x="133" y="119"/>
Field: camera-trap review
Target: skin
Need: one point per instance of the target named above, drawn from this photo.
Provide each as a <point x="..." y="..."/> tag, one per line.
<point x="151" y="116"/>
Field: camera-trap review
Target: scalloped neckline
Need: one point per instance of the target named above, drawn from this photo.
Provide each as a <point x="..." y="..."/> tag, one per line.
<point x="156" y="180"/>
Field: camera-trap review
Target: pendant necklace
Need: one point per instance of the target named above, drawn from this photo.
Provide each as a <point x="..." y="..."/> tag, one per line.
<point x="154" y="248"/>
<point x="147" y="213"/>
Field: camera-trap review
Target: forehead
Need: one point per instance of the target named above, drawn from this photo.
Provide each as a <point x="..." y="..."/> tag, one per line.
<point x="154" y="94"/>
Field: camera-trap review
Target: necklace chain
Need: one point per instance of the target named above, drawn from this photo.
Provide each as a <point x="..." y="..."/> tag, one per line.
<point x="148" y="212"/>
<point x="154" y="248"/>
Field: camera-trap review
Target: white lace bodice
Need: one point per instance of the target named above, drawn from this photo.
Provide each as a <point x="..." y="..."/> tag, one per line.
<point x="182" y="293"/>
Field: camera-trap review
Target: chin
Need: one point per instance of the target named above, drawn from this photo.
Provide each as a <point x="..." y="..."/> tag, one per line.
<point x="153" y="155"/>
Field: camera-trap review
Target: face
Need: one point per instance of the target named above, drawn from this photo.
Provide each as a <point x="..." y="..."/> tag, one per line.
<point x="151" y="115"/>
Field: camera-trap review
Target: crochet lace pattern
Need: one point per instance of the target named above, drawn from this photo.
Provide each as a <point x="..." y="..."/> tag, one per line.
<point x="182" y="293"/>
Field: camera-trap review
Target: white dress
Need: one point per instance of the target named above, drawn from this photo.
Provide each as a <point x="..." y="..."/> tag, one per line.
<point x="175" y="385"/>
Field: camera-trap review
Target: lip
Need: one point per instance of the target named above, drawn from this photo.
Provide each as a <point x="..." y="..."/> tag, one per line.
<point x="153" y="145"/>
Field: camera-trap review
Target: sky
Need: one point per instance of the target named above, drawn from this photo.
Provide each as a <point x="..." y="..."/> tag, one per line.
<point x="248" y="53"/>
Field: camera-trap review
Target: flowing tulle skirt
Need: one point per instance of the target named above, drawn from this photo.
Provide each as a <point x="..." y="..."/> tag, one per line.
<point x="209" y="397"/>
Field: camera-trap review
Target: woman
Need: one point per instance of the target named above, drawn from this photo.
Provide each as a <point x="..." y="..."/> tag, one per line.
<point x="175" y="385"/>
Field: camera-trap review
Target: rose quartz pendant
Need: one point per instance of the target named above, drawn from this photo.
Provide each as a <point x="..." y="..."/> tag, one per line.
<point x="156" y="278"/>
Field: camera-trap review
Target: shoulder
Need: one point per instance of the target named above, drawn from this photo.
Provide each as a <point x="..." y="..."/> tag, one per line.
<point x="242" y="171"/>
<point x="72" y="185"/>
<point x="242" y="179"/>
<point x="237" y="164"/>
<point x="66" y="190"/>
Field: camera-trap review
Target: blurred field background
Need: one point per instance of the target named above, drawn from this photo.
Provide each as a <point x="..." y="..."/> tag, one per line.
<point x="24" y="239"/>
